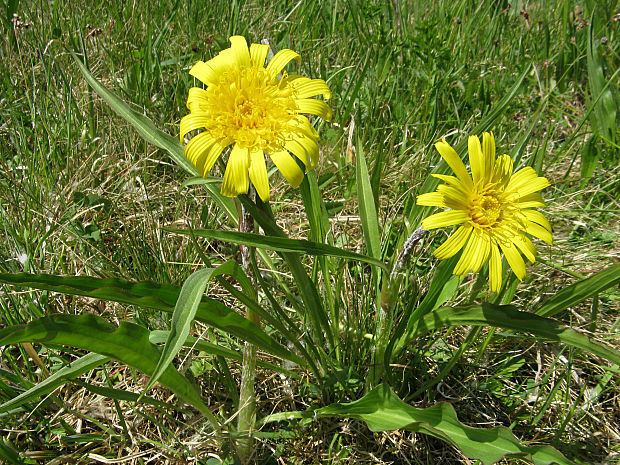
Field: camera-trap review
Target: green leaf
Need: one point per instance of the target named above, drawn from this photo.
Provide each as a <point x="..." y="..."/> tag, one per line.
<point x="128" y="343"/>
<point x="71" y="371"/>
<point x="280" y="244"/>
<point x="367" y="208"/>
<point x="603" y="118"/>
<point x="159" y="296"/>
<point x="505" y="316"/>
<point x="141" y="123"/>
<point x="155" y="136"/>
<point x="382" y="410"/>
<point x="580" y="291"/>
<point x="185" y="311"/>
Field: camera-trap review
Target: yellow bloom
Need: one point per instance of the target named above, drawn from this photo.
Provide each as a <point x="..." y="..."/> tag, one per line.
<point x="494" y="210"/>
<point x="251" y="106"/>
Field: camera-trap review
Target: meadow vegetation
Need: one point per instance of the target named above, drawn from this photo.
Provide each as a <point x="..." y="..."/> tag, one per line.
<point x="82" y="194"/>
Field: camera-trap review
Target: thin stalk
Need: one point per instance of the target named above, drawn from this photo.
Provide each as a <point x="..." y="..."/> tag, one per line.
<point x="385" y="313"/>
<point x="247" y="395"/>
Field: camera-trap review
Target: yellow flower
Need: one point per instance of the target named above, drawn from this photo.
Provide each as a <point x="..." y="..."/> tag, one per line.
<point x="494" y="210"/>
<point x="259" y="111"/>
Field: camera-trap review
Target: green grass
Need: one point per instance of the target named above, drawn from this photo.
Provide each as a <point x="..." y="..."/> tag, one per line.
<point x="82" y="194"/>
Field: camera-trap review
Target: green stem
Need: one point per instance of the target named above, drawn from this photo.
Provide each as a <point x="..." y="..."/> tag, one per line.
<point x="247" y="395"/>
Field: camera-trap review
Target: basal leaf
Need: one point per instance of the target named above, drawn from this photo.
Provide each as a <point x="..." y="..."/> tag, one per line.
<point x="127" y="343"/>
<point x="152" y="295"/>
<point x="71" y="371"/>
<point x="382" y="410"/>
<point x="505" y="316"/>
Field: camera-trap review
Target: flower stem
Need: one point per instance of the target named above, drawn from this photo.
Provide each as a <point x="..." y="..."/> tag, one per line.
<point x="385" y="313"/>
<point x="247" y="396"/>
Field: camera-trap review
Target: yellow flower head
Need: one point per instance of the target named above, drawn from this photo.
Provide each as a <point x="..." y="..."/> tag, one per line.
<point x="493" y="207"/>
<point x="258" y="109"/>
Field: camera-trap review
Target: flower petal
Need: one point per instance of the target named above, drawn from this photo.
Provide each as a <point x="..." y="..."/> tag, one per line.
<point x="514" y="259"/>
<point x="258" y="54"/>
<point x="441" y="219"/>
<point x="305" y="87"/>
<point x="531" y="201"/>
<point x="198" y="149"/>
<point x="538" y="231"/>
<point x="495" y="269"/>
<point x="192" y="122"/>
<point x="475" y="254"/>
<point x="280" y="60"/>
<point x="288" y="167"/>
<point x="239" y="48"/>
<point x="305" y="149"/>
<point x="454" y="243"/>
<point x="525" y="181"/>
<point x="197" y="99"/>
<point x="431" y="199"/>
<point x="235" y="180"/>
<point x="314" y="107"/>
<point x="525" y="246"/>
<point x="536" y="217"/>
<point x="488" y="150"/>
<point x="454" y="162"/>
<point x="258" y="173"/>
<point x="476" y="160"/>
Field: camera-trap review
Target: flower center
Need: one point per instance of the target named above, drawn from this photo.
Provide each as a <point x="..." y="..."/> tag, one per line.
<point x="487" y="207"/>
<point x="247" y="108"/>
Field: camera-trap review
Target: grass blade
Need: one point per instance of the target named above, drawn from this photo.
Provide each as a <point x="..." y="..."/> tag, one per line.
<point x="367" y="207"/>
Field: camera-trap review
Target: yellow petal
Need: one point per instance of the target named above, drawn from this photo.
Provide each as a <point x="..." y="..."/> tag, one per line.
<point x="258" y="54"/>
<point x="431" y="199"/>
<point x="305" y="149"/>
<point x="531" y="201"/>
<point x="441" y="219"/>
<point x="495" y="269"/>
<point x="475" y="254"/>
<point x="314" y="107"/>
<point x="502" y="170"/>
<point x="488" y="150"/>
<point x="537" y="217"/>
<point x="192" y="122"/>
<point x="235" y="180"/>
<point x="201" y="148"/>
<point x="280" y="60"/>
<point x="288" y="167"/>
<point x="514" y="259"/>
<point x="239" y="48"/>
<point x="476" y="160"/>
<point x="454" y="243"/>
<point x="305" y="87"/>
<point x="196" y="99"/>
<point x="525" y="181"/>
<point x="525" y="246"/>
<point x="538" y="231"/>
<point x="454" y="162"/>
<point x="258" y="173"/>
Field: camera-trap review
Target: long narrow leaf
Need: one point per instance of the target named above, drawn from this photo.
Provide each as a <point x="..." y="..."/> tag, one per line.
<point x="184" y="312"/>
<point x="504" y="316"/>
<point x="367" y="207"/>
<point x="382" y="410"/>
<point x="578" y="292"/>
<point x="281" y="244"/>
<point x="71" y="371"/>
<point x="159" y="296"/>
<point x="128" y="343"/>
